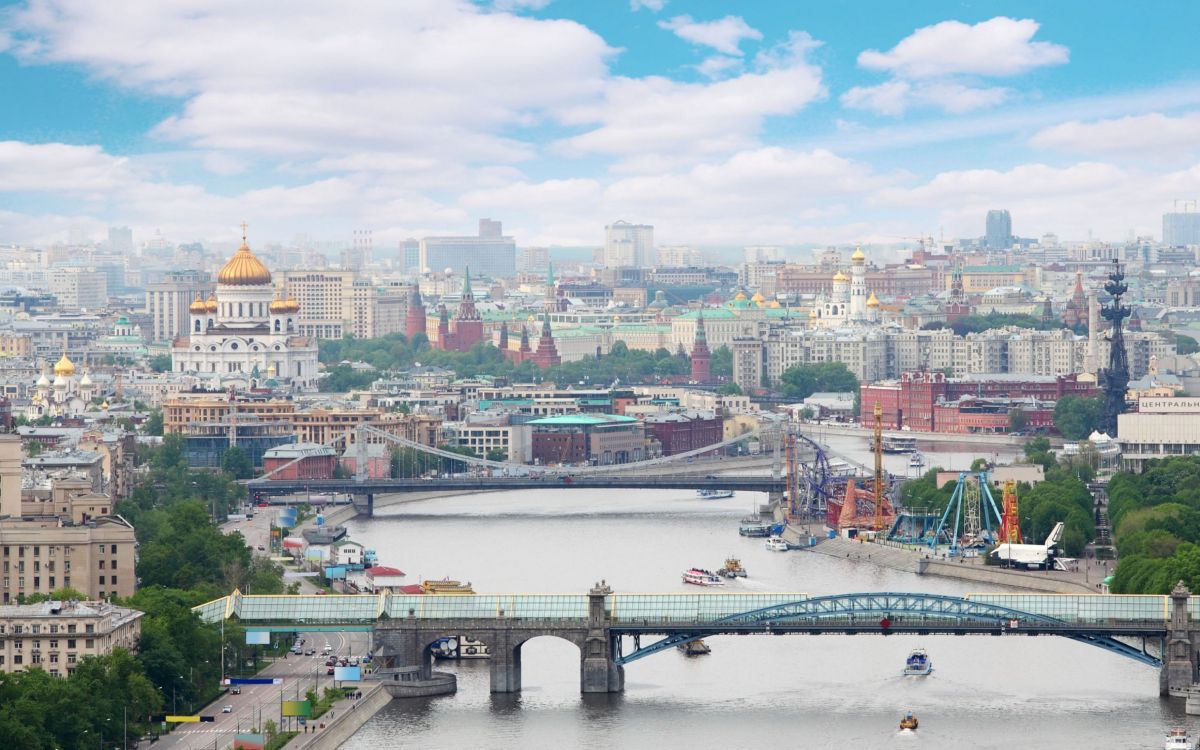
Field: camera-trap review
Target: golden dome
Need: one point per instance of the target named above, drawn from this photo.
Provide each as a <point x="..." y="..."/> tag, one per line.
<point x="758" y="298"/>
<point x="64" y="367"/>
<point x="197" y="307"/>
<point x="277" y="306"/>
<point x="740" y="296"/>
<point x="292" y="305"/>
<point x="813" y="313"/>
<point x="872" y="301"/>
<point x="104" y="406"/>
<point x="839" y="276"/>
<point x="211" y="304"/>
<point x="774" y="304"/>
<point x="858" y="256"/>
<point x="244" y="269"/>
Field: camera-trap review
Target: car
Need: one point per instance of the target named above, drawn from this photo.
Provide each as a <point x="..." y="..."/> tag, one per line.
<point x="354" y="662"/>
<point x="261" y="548"/>
<point x="311" y="652"/>
<point x="329" y="662"/>
<point x="227" y="709"/>
<point x="328" y="648"/>
<point x="235" y="690"/>
<point x="329" y="670"/>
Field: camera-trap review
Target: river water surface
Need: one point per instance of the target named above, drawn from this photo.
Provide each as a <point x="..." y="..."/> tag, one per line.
<point x="752" y="691"/>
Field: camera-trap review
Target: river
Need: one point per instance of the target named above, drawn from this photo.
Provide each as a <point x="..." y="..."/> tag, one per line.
<point x="789" y="692"/>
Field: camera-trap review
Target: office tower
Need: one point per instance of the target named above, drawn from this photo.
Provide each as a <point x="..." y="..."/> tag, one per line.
<point x="490" y="254"/>
<point x="79" y="288"/>
<point x="120" y="240"/>
<point x="999" y="230"/>
<point x="338" y="303"/>
<point x="168" y="301"/>
<point x="410" y="255"/>
<point x="628" y="244"/>
<point x="1182" y="227"/>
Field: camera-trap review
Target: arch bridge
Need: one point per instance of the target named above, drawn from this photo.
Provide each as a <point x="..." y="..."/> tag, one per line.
<point x="609" y="628"/>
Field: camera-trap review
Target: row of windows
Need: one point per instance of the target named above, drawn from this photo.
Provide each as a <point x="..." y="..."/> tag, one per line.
<point x="36" y="629"/>
<point x="37" y="659"/>
<point x="36" y="645"/>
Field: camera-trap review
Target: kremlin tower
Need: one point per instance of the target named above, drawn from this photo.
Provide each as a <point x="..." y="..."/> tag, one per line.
<point x="700" y="353"/>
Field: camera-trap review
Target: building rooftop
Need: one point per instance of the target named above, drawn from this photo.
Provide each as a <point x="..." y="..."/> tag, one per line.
<point x="583" y="419"/>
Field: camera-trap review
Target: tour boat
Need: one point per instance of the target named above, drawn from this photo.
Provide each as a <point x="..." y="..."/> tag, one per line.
<point x="701" y="577"/>
<point x="776" y="544"/>
<point x="694" y="648"/>
<point x="898" y="444"/>
<point x="908" y="723"/>
<point x="1179" y="739"/>
<point x="918" y="664"/>
<point x="754" y="529"/>
<point x="916" y="461"/>
<point x="733" y="568"/>
<point x="446" y="586"/>
<point x="707" y="494"/>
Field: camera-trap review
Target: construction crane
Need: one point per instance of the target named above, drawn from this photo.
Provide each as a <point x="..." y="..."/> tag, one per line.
<point x="882" y="513"/>
<point x="1010" y="523"/>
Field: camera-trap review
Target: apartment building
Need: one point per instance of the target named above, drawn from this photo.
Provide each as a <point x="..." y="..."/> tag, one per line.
<point x="334" y="304"/>
<point x="55" y="635"/>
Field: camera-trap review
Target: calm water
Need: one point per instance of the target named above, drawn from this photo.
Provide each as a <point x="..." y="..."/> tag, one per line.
<point x="786" y="692"/>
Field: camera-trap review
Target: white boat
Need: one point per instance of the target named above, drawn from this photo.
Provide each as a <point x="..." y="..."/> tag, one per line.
<point x="701" y="577"/>
<point x="707" y="494"/>
<point x="776" y="544"/>
<point x="918" y="663"/>
<point x="898" y="444"/>
<point x="916" y="461"/>
<point x="1179" y="739"/>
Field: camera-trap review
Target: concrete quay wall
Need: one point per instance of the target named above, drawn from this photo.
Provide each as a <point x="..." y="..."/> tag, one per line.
<point x="912" y="561"/>
<point x="349" y="719"/>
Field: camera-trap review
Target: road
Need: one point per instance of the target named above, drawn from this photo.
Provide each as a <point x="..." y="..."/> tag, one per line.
<point x="258" y="704"/>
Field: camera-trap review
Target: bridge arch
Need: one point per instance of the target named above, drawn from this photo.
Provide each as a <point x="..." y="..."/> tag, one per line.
<point x="896" y="613"/>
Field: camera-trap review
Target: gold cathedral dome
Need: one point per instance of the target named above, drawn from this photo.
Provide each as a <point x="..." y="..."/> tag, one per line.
<point x="64" y="367"/>
<point x="197" y="307"/>
<point x="244" y="268"/>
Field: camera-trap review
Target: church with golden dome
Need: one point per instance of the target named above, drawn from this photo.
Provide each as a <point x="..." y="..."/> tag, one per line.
<point x="66" y="396"/>
<point x="245" y="334"/>
<point x="848" y="303"/>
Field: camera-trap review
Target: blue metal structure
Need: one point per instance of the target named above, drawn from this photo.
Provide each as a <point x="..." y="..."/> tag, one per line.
<point x="886" y="613"/>
<point x="958" y="505"/>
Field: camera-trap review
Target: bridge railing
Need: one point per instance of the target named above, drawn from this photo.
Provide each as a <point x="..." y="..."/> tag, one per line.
<point x="1086" y="608"/>
<point x="659" y="608"/>
<point x="488" y="606"/>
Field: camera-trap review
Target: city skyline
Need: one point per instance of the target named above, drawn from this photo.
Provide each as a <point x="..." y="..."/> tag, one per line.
<point x="780" y="125"/>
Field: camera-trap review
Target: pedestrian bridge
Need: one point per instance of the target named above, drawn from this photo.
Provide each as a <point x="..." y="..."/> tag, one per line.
<point x="609" y="627"/>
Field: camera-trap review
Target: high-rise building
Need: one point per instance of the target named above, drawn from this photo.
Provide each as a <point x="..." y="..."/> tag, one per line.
<point x="999" y="234"/>
<point x="410" y="255"/>
<point x="676" y="256"/>
<point x="1181" y="228"/>
<point x="168" y="301"/>
<point x="79" y="288"/>
<point x="338" y="303"/>
<point x="120" y="240"/>
<point x="628" y="244"/>
<point x="490" y="254"/>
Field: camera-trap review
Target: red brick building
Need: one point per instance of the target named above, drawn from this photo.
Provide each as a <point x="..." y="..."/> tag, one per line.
<point x="680" y="433"/>
<point x="302" y="461"/>
<point x="924" y="401"/>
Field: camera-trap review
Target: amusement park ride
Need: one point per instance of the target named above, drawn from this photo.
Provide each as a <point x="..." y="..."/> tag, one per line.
<point x="863" y="508"/>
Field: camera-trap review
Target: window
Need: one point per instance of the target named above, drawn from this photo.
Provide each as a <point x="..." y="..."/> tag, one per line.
<point x="53" y="643"/>
<point x="101" y="565"/>
<point x="114" y="581"/>
<point x="89" y="628"/>
<point x="17" y="659"/>
<point x="114" y="549"/>
<point x="71" y="643"/>
<point x="101" y="580"/>
<point x="71" y="659"/>
<point x="71" y="629"/>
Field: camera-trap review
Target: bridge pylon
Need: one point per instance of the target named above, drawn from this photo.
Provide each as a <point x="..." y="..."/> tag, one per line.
<point x="1179" y="669"/>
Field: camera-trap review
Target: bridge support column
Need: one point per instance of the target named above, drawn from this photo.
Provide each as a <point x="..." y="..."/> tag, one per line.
<point x="506" y="664"/>
<point x="598" y="672"/>
<point x="1179" y="658"/>
<point x="405" y="666"/>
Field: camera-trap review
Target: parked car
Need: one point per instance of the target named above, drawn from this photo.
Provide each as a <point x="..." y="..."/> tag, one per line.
<point x="311" y="652"/>
<point x="227" y="709"/>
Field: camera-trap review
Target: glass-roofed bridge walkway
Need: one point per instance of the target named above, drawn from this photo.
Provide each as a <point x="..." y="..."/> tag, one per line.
<point x="609" y="628"/>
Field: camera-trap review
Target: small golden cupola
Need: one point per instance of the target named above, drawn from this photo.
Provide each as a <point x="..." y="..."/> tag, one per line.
<point x="244" y="268"/>
<point x="211" y="304"/>
<point x="198" y="307"/>
<point x="278" y="305"/>
<point x="872" y="301"/>
<point x="858" y="256"/>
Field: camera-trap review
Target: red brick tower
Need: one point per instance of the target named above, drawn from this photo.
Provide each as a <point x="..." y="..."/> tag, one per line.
<point x="700" y="353"/>
<point x="414" y="319"/>
<point x="547" y="352"/>
<point x="468" y="326"/>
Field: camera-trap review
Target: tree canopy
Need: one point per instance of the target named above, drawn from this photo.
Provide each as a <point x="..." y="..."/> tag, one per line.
<point x="802" y="381"/>
<point x="1076" y="417"/>
<point x="1155" y="517"/>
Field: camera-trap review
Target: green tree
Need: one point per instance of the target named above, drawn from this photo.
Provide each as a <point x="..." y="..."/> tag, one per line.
<point x="1186" y="344"/>
<point x="160" y="363"/>
<point x="720" y="363"/>
<point x="236" y="463"/>
<point x="1076" y="417"/>
<point x="802" y="381"/>
<point x="1018" y="420"/>
<point x="497" y="454"/>
<point x="154" y="423"/>
<point x="33" y="448"/>
<point x="730" y="389"/>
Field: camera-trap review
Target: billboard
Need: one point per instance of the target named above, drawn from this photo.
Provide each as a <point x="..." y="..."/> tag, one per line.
<point x="285" y="518"/>
<point x="337" y="571"/>
<point x="315" y="553"/>
<point x="296" y="708"/>
<point x="249" y="741"/>
<point x="258" y="638"/>
<point x="352" y="674"/>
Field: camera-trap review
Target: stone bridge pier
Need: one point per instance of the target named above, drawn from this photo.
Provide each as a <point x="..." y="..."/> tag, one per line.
<point x="405" y="659"/>
<point x="1179" y="670"/>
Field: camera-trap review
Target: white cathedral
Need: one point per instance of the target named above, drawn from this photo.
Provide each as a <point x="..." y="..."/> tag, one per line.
<point x="848" y="303"/>
<point x="66" y="396"/>
<point x="245" y="334"/>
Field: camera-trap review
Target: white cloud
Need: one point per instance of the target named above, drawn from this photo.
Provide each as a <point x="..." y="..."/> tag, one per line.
<point x="61" y="168"/>
<point x="995" y="48"/>
<point x="646" y="117"/>
<point x="895" y="97"/>
<point x="519" y="5"/>
<point x="940" y="66"/>
<point x="725" y="35"/>
<point x="719" y="65"/>
<point x="651" y="5"/>
<point x="1153" y="134"/>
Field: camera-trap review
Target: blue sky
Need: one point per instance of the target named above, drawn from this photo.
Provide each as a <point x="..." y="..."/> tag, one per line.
<point x="720" y="123"/>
